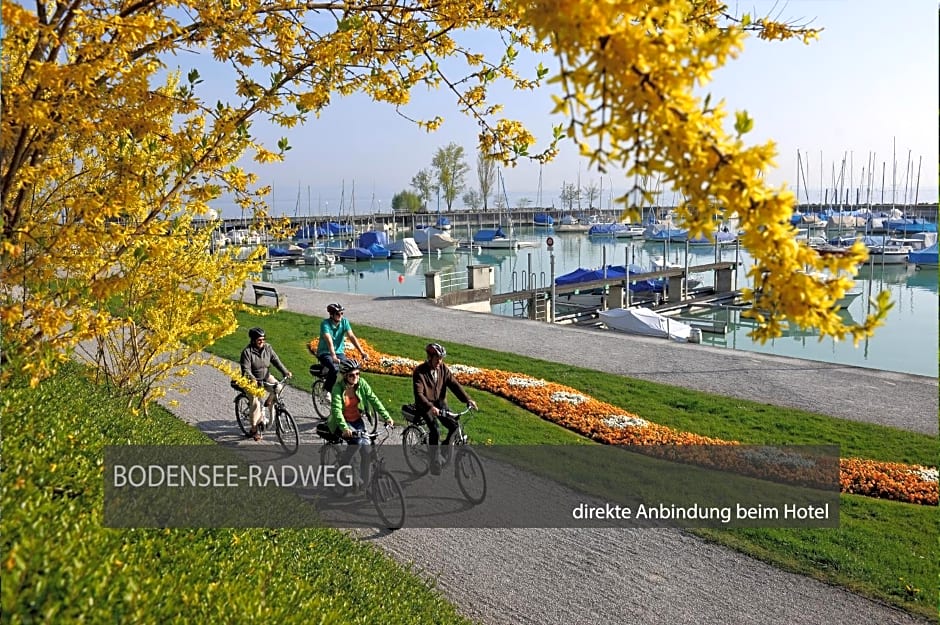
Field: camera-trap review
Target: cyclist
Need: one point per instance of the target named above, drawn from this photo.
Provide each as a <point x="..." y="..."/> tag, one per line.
<point x="256" y="361"/>
<point x="430" y="381"/>
<point x="352" y="396"/>
<point x="331" y="347"/>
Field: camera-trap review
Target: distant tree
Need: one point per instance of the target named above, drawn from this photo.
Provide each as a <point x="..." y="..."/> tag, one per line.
<point x="472" y="199"/>
<point x="450" y="169"/>
<point x="590" y="192"/>
<point x="486" y="175"/>
<point x="423" y="182"/>
<point x="569" y="194"/>
<point x="523" y="202"/>
<point x="406" y="202"/>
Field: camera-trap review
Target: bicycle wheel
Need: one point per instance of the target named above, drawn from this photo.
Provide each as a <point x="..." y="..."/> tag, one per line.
<point x="243" y="413"/>
<point x="471" y="478"/>
<point x="286" y="429"/>
<point x="372" y="421"/>
<point x="321" y="401"/>
<point x="330" y="456"/>
<point x="388" y="498"/>
<point x="414" y="442"/>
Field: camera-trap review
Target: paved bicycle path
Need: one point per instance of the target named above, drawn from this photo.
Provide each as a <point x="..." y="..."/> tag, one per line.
<point x="602" y="576"/>
<point x="574" y="576"/>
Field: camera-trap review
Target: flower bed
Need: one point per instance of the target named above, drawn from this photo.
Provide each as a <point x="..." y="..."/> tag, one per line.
<point x="611" y="425"/>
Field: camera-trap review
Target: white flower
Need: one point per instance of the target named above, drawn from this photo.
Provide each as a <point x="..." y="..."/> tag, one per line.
<point x="621" y="421"/>
<point x="926" y="474"/>
<point x="571" y="398"/>
<point x="525" y="382"/>
<point x="392" y="362"/>
<point x="464" y="369"/>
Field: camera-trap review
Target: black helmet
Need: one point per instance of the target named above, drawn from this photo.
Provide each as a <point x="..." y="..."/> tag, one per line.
<point x="348" y="366"/>
<point x="335" y="308"/>
<point x="435" y="349"/>
<point x="255" y="334"/>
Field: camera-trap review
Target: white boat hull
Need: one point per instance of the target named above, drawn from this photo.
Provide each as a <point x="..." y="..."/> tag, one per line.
<point x="893" y="257"/>
<point x="572" y="227"/>
<point x="645" y="322"/>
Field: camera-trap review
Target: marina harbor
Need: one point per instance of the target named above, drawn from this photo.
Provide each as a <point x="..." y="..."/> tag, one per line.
<point x="689" y="283"/>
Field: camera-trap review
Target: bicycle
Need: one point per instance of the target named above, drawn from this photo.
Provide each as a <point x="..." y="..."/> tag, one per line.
<point x="284" y="425"/>
<point x="468" y="468"/>
<point x="382" y="489"/>
<point x="322" y="399"/>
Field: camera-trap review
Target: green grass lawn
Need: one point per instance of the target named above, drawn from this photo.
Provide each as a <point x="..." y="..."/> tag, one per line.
<point x="883" y="549"/>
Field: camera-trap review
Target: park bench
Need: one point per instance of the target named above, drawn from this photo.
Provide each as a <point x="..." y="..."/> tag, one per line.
<point x="262" y="290"/>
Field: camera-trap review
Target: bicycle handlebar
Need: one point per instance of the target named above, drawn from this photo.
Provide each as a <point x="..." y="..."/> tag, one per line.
<point x="372" y="436"/>
<point x="456" y="415"/>
<point x="277" y="383"/>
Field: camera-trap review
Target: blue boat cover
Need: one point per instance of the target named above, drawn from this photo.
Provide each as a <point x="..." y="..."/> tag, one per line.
<point x="378" y="250"/>
<point x="355" y="253"/>
<point x="337" y="228"/>
<point x="489" y="234"/>
<point x="926" y="256"/>
<point x="372" y="237"/>
<point x="606" y="229"/>
<point x="614" y="272"/>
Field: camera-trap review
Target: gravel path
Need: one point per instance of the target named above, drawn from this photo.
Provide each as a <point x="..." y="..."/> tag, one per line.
<point x="598" y="576"/>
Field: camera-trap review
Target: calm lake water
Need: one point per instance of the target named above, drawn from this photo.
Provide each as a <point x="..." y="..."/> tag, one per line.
<point x="907" y="343"/>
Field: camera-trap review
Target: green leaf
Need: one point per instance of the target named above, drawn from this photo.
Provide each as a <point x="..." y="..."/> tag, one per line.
<point x="743" y="124"/>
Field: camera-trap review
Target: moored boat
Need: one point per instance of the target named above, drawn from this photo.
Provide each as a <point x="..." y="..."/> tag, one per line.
<point x="570" y="223"/>
<point x="406" y="248"/>
<point x="496" y="239"/>
<point x="645" y="322"/>
<point x="314" y="255"/>
<point x="926" y="257"/>
<point x="543" y="220"/>
<point x="432" y="239"/>
<point x="616" y="230"/>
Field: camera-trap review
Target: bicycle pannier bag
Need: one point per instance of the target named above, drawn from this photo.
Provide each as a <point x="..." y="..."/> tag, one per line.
<point x="323" y="431"/>
<point x="409" y="412"/>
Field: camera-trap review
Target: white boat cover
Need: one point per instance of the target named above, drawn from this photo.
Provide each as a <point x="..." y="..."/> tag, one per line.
<point x="432" y="239"/>
<point x="407" y="246"/>
<point x="645" y="322"/>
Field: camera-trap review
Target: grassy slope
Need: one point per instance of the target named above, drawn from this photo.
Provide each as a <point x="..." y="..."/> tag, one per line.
<point x="60" y="565"/>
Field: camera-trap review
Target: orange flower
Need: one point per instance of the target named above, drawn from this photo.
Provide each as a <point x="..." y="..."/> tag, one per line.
<point x="609" y="424"/>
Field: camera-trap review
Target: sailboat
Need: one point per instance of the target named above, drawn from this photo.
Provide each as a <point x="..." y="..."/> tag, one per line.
<point x="496" y="238"/>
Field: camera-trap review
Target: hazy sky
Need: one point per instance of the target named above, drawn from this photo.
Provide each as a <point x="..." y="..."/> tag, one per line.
<point x="870" y="82"/>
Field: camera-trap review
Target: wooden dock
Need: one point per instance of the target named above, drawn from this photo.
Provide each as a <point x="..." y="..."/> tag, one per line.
<point x="669" y="274"/>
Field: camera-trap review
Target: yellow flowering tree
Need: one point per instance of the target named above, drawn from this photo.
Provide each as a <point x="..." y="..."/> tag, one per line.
<point x="109" y="161"/>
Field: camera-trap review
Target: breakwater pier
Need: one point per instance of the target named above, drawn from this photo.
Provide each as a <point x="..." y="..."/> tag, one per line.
<point x="463" y="222"/>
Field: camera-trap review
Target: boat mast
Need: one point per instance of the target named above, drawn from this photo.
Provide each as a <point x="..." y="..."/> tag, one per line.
<point x="540" y="188"/>
<point x="894" y="171"/>
<point x="799" y="168"/>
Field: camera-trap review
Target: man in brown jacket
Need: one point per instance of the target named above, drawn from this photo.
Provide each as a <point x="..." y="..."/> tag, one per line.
<point x="430" y="382"/>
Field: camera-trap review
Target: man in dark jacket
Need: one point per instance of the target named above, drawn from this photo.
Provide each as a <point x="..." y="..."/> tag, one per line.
<point x="256" y="361"/>
<point x="430" y="382"/>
